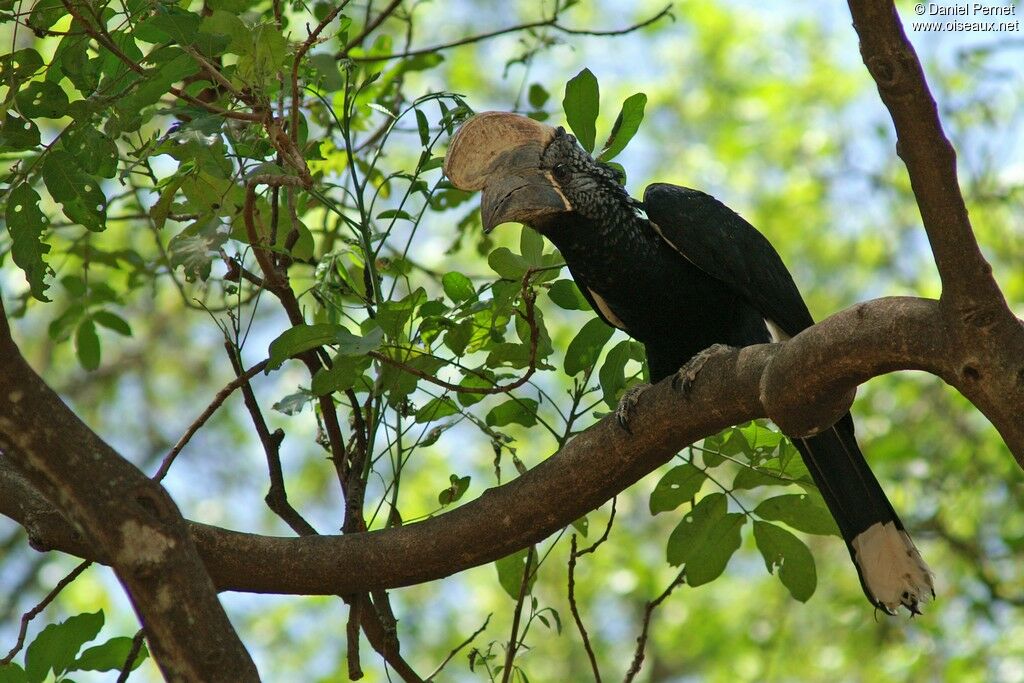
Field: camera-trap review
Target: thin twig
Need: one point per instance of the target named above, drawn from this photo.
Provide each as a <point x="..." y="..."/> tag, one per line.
<point x="355" y="671"/>
<point x="575" y="610"/>
<point x="641" y="641"/>
<point x="370" y="27"/>
<point x="34" y="612"/>
<point x="607" y="530"/>
<point x="551" y="22"/>
<point x="277" y="496"/>
<point x="197" y="424"/>
<point x="461" y="645"/>
<point x="133" y="652"/>
<point x="513" y="639"/>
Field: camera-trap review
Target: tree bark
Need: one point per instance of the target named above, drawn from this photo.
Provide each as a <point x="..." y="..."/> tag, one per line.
<point x="872" y="338"/>
<point x="123" y="516"/>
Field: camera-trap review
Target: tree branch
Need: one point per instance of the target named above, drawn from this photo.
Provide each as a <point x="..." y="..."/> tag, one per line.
<point x="990" y="339"/>
<point x="130" y="519"/>
<point x="867" y="340"/>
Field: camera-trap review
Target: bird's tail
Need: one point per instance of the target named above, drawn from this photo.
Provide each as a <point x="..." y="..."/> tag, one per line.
<point x="891" y="570"/>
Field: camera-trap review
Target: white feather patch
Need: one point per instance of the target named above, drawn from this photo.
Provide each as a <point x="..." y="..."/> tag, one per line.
<point x="775" y="331"/>
<point x="606" y="310"/>
<point x="892" y="568"/>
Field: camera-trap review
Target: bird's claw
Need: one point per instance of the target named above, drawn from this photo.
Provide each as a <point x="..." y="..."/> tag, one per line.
<point x="685" y="376"/>
<point x="627" y="405"/>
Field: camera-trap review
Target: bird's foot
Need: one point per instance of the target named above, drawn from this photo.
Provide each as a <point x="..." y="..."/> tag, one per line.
<point x="686" y="375"/>
<point x="627" y="405"/>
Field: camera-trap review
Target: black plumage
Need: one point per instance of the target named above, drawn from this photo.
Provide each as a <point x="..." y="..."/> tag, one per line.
<point x="681" y="272"/>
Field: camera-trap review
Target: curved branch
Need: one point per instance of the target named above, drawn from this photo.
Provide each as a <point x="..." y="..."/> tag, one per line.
<point x="131" y="519"/>
<point x="990" y="339"/>
<point x="861" y="342"/>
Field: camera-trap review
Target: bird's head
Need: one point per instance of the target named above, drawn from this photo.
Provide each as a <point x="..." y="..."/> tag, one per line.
<point x="529" y="172"/>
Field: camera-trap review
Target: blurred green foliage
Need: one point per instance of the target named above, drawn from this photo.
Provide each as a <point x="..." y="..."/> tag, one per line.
<point x="128" y="259"/>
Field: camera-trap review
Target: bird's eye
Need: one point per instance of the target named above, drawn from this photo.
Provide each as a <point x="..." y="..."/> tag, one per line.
<point x="561" y="172"/>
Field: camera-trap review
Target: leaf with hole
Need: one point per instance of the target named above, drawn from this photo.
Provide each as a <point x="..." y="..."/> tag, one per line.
<point x="679" y="485"/>
<point x="79" y="193"/>
<point x="783" y="551"/>
<point x="25" y="223"/>
<point x="803" y="511"/>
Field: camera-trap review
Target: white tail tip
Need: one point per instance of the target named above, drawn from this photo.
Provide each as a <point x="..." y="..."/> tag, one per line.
<point x="892" y="569"/>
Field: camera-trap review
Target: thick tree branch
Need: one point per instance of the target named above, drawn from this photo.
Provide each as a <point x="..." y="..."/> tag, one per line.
<point x="989" y="337"/>
<point x="866" y="340"/>
<point x="130" y="519"/>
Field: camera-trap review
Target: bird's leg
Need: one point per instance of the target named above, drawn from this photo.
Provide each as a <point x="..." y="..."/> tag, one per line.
<point x="686" y="375"/>
<point x="627" y="405"/>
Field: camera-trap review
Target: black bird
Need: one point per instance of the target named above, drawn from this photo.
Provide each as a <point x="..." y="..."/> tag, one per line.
<point x="680" y="272"/>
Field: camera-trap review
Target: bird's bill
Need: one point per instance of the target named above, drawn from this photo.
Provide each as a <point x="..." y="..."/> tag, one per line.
<point x="500" y="153"/>
<point x="526" y="197"/>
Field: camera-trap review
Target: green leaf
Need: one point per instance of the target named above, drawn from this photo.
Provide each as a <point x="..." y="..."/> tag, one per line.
<point x="749" y="478"/>
<point x="582" y="525"/>
<point x="21" y="65"/>
<point x="78" y="192"/>
<point x="455" y="491"/>
<point x="790" y="555"/>
<point x="56" y="645"/>
<point x="626" y="125"/>
<point x="586" y="346"/>
<point x="292" y="404"/>
<point x="458" y="287"/>
<point x="689" y="537"/>
<point x="18" y="134"/>
<point x="508" y="265"/>
<point x="42" y="99"/>
<point x="327" y="66"/>
<point x="171" y="24"/>
<point x="435" y="409"/>
<point x="519" y="411"/>
<point x="512" y="568"/>
<point x="12" y="673"/>
<point x="679" y="485"/>
<point x="87" y="345"/>
<point x="112" y="321"/>
<point x="424" y="128"/>
<point x="263" y="52"/>
<point x="612" y="373"/>
<point x="343" y="374"/>
<point x="567" y="295"/>
<point x="353" y="345"/>
<point x="45" y="14"/>
<point x="581" y="105"/>
<point x="194" y="248"/>
<point x="110" y="656"/>
<point x="93" y="151"/>
<point x="25" y="223"/>
<point x="537" y="95"/>
<point x="531" y="246"/>
<point x="297" y="339"/>
<point x="802" y="511"/>
<point x="475" y="381"/>
<point x="723" y="540"/>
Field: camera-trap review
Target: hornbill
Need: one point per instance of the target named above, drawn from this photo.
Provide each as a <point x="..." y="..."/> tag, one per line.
<point x="681" y="273"/>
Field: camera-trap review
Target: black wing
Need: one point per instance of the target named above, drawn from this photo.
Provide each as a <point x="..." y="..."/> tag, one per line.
<point x="718" y="241"/>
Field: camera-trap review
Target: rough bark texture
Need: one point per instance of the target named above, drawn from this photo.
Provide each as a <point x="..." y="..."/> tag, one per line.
<point x="983" y="332"/>
<point x="123" y="516"/>
<point x="869" y="339"/>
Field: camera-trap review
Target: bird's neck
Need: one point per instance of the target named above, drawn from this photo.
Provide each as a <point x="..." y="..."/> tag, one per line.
<point x="619" y="232"/>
